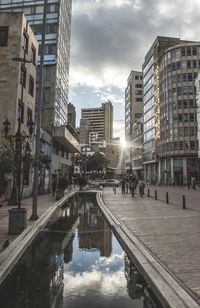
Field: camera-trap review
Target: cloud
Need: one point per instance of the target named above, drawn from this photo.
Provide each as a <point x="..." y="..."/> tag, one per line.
<point x="119" y="128"/>
<point x="106" y="273"/>
<point x="111" y="37"/>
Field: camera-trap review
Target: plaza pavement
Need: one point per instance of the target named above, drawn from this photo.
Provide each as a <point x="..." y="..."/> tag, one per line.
<point x="44" y="202"/>
<point x="171" y="234"/>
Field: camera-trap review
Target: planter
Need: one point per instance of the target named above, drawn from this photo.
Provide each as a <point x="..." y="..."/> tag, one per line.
<point x="17" y="220"/>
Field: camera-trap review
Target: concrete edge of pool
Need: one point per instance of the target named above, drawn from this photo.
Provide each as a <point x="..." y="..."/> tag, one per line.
<point x="11" y="255"/>
<point x="167" y="289"/>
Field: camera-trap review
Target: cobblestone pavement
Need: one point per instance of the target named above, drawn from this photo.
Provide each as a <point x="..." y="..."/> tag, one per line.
<point x="192" y="197"/>
<point x="169" y="232"/>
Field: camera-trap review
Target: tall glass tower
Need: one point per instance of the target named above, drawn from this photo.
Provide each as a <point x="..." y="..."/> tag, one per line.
<point x="57" y="53"/>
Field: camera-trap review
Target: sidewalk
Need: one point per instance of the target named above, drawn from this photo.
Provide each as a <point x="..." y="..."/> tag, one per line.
<point x="192" y="197"/>
<point x="170" y="233"/>
<point x="44" y="202"/>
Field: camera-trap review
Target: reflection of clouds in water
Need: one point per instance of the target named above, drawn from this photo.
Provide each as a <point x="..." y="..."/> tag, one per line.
<point x="107" y="283"/>
<point x="107" y="273"/>
<point x="113" y="263"/>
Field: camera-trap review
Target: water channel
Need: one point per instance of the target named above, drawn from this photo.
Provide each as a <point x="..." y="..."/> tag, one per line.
<point x="76" y="262"/>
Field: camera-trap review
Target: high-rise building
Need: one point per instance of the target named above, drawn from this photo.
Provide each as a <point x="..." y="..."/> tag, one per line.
<point x="100" y="120"/>
<point x="55" y="76"/>
<point x="133" y="112"/>
<point x="17" y="80"/>
<point x="170" y="119"/>
<point x="57" y="53"/>
<point x="197" y="84"/>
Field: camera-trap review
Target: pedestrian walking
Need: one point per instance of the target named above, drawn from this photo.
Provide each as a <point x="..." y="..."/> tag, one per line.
<point x="54" y="187"/>
<point x="141" y="186"/>
<point x="114" y="189"/>
<point x="123" y="186"/>
<point x="127" y="185"/>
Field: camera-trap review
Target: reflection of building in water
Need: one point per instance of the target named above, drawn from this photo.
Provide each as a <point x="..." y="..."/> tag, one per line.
<point x="93" y="230"/>
<point x="137" y="287"/>
<point x="135" y="283"/>
<point x="39" y="275"/>
<point x="38" y="278"/>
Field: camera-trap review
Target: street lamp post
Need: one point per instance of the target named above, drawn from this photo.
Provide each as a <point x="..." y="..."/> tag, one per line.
<point x="34" y="215"/>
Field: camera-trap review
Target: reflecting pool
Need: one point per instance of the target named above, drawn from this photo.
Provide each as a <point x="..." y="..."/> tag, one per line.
<point x="76" y="262"/>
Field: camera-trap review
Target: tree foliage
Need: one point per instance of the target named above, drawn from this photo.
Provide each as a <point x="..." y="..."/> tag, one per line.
<point x="96" y="162"/>
<point x="7" y="162"/>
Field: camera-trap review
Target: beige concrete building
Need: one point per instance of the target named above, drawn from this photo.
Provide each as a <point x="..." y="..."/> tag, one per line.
<point x="100" y="120"/>
<point x="137" y="149"/>
<point x="17" y="79"/>
<point x="133" y="111"/>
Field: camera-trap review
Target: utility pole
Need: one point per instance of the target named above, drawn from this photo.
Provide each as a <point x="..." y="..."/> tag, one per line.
<point x="34" y="215"/>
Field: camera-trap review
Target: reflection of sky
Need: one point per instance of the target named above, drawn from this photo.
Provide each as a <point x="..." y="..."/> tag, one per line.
<point x="87" y="259"/>
<point x="94" y="281"/>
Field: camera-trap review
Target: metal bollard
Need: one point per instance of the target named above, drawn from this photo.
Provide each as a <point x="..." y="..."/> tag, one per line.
<point x="167" y="197"/>
<point x="148" y="193"/>
<point x="184" y="203"/>
<point x="156" y="195"/>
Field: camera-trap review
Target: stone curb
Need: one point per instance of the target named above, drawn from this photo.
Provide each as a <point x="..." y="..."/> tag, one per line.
<point x="11" y="255"/>
<point x="170" y="293"/>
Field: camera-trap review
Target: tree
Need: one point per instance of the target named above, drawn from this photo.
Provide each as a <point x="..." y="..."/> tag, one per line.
<point x="96" y="162"/>
<point x="7" y="163"/>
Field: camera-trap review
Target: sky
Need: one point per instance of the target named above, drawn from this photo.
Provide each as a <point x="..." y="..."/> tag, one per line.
<point x="111" y="37"/>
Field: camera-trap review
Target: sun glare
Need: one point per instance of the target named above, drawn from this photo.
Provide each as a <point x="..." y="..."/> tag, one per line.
<point x="123" y="143"/>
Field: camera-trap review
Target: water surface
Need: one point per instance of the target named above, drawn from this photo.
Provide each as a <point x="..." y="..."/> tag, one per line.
<point x="76" y="262"/>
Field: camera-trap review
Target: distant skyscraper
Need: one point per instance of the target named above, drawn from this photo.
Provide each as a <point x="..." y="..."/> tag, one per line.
<point x="71" y="115"/>
<point x="100" y="120"/>
<point x="57" y="52"/>
<point x="170" y="116"/>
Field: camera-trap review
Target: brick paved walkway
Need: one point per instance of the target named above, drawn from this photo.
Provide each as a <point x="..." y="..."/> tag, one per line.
<point x="175" y="195"/>
<point x="44" y="202"/>
<point x="170" y="233"/>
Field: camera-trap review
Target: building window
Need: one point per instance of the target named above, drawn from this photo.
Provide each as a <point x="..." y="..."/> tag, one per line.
<point x="29" y="116"/>
<point x="21" y="112"/>
<point x="37" y="29"/>
<point x="39" y="9"/>
<point x="25" y="41"/>
<point x="192" y="145"/>
<point x="52" y="8"/>
<point x="50" y="49"/>
<point x="33" y="53"/>
<point x="189" y="51"/>
<point x="194" y="51"/>
<point x="51" y="28"/>
<point x="29" y="10"/>
<point x="3" y="36"/>
<point x="189" y="64"/>
<point x="31" y="86"/>
<point x="191" y="117"/>
<point x="23" y="76"/>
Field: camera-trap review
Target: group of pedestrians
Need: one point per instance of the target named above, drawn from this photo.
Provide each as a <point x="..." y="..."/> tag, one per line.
<point x="129" y="185"/>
